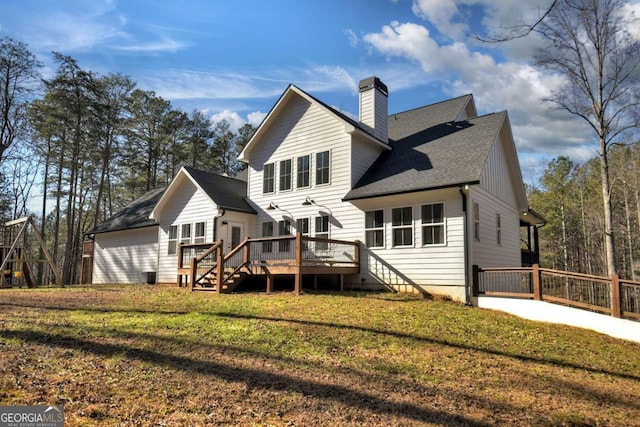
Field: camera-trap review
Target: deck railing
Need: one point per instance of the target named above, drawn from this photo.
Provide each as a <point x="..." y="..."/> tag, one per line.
<point x="256" y="255"/>
<point x="619" y="298"/>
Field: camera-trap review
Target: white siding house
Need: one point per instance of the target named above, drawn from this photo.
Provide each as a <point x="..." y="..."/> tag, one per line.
<point x="126" y="256"/>
<point x="125" y="246"/>
<point x="198" y="207"/>
<point x="427" y="192"/>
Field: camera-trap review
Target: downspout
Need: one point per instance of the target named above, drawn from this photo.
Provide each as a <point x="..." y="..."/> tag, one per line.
<point x="221" y="213"/>
<point x="465" y="221"/>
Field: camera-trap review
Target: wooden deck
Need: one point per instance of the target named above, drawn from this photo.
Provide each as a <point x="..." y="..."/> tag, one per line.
<point x="204" y="266"/>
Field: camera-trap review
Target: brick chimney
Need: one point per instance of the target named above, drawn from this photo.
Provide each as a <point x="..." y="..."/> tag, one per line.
<point x="373" y="106"/>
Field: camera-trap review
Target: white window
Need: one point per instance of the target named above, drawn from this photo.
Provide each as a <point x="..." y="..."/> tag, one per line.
<point x="285" y="175"/>
<point x="284" y="229"/>
<point x="173" y="240"/>
<point x="267" y="231"/>
<point x="303" y="171"/>
<point x="476" y="221"/>
<point x="185" y="235"/>
<point x="268" y="178"/>
<point x="402" y="226"/>
<point x="322" y="231"/>
<point x="200" y="232"/>
<point x="498" y="230"/>
<point x="302" y="226"/>
<point x="322" y="168"/>
<point x="374" y="228"/>
<point x="433" y="224"/>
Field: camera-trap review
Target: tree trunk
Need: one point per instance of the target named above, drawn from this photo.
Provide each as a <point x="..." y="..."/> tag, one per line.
<point x="609" y="241"/>
<point x="628" y="224"/>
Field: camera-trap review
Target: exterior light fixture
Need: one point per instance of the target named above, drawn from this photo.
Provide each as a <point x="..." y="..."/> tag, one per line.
<point x="274" y="207"/>
<point x="309" y="201"/>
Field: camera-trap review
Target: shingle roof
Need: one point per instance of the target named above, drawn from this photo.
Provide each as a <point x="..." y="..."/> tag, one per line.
<point x="430" y="149"/>
<point x="227" y="193"/>
<point x="134" y="215"/>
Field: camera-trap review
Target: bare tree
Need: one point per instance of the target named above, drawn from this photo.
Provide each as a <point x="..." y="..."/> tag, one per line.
<point x="18" y="73"/>
<point x="590" y="45"/>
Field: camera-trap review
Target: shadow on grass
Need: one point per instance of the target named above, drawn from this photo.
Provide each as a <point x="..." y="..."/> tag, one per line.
<point x="435" y="341"/>
<point x="252" y="378"/>
<point x="490" y="351"/>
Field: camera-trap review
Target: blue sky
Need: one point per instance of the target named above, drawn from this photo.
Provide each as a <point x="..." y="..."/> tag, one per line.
<point x="233" y="59"/>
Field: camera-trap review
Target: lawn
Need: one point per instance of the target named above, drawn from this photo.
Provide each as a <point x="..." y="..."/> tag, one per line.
<point x="159" y="356"/>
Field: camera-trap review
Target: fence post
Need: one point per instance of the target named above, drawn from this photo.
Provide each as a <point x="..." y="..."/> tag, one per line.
<point x="616" y="310"/>
<point x="475" y="283"/>
<point x="537" y="286"/>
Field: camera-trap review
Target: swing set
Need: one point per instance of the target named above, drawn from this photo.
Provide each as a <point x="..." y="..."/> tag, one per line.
<point x="15" y="246"/>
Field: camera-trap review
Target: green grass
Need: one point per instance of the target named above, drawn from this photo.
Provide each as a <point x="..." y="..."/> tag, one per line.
<point x="158" y="356"/>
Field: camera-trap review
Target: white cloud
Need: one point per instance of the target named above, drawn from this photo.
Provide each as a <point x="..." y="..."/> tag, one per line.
<point x="190" y="84"/>
<point x="352" y="37"/>
<point x="256" y="117"/>
<point x="164" y="45"/>
<point x="496" y="85"/>
<point x="441" y="13"/>
<point x="233" y="118"/>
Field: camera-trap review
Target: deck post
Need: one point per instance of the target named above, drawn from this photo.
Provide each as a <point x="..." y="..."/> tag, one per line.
<point x="475" y="280"/>
<point x="616" y="310"/>
<point x="193" y="271"/>
<point x="356" y="254"/>
<point x="269" y="282"/>
<point x="247" y="252"/>
<point x="537" y="286"/>
<point x="219" y="268"/>
<point x="298" y="265"/>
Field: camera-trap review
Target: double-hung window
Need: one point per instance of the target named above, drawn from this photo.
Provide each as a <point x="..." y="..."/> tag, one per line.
<point x="267" y="231"/>
<point x="374" y="228"/>
<point x="322" y="231"/>
<point x="173" y="240"/>
<point x="303" y="171"/>
<point x="268" y="178"/>
<point x="285" y="175"/>
<point x="402" y="226"/>
<point x="302" y="227"/>
<point x="185" y="235"/>
<point x="476" y="221"/>
<point x="284" y="229"/>
<point x="323" y="168"/>
<point x="433" y="224"/>
<point x="199" y="236"/>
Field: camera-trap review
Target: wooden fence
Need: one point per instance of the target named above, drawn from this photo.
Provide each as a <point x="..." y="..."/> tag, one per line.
<point x="614" y="296"/>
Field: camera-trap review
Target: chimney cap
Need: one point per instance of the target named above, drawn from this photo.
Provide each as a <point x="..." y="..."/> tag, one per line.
<point x="371" y="83"/>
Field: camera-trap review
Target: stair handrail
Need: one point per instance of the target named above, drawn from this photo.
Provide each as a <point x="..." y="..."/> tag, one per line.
<point x="228" y="256"/>
<point x="196" y="279"/>
<point x="208" y="252"/>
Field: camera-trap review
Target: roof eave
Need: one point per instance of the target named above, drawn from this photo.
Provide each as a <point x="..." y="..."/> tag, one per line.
<point x="416" y="190"/>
